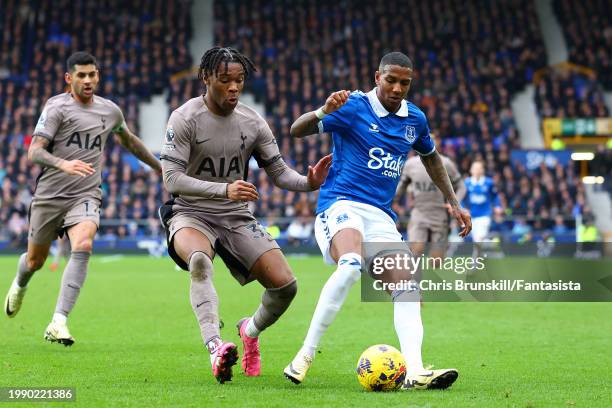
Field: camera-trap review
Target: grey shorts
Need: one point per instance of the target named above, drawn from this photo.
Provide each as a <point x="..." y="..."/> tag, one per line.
<point x="419" y="231"/>
<point x="238" y="239"/>
<point x="50" y="218"/>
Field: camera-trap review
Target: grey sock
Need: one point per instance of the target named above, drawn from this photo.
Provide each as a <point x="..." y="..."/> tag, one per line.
<point x="203" y="296"/>
<point x="72" y="281"/>
<point x="23" y="274"/>
<point x="274" y="302"/>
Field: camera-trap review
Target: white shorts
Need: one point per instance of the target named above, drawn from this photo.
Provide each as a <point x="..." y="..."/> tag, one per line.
<point x="480" y="228"/>
<point x="374" y="224"/>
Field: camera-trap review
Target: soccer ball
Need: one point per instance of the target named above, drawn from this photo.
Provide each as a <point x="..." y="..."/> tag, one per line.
<point x="381" y="368"/>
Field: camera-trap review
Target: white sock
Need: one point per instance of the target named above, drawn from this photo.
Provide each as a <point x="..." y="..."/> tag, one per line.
<point x="60" y="318"/>
<point x="331" y="299"/>
<point x="212" y="345"/>
<point x="409" y="328"/>
<point x="251" y="330"/>
<point x="16" y="285"/>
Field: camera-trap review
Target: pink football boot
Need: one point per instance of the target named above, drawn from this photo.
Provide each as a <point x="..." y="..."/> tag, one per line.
<point x="225" y="358"/>
<point x="251" y="360"/>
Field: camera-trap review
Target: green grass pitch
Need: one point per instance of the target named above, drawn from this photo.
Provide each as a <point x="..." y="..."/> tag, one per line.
<point x="138" y="344"/>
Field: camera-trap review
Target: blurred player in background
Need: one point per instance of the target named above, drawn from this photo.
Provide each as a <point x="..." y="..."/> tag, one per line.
<point x="62" y="250"/>
<point x="205" y="156"/>
<point x="481" y="198"/>
<point x="372" y="134"/>
<point x="430" y="215"/>
<point x="68" y="142"/>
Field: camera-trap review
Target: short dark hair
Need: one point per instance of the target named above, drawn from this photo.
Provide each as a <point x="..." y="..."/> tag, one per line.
<point x="212" y="59"/>
<point x="80" y="58"/>
<point x="395" y="58"/>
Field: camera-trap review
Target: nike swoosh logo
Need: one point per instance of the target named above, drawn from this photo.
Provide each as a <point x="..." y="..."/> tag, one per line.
<point x="292" y="370"/>
<point x="202" y="141"/>
<point x="200" y="304"/>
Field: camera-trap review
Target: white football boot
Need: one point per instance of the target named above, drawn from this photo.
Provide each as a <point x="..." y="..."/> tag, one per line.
<point x="58" y="333"/>
<point x="432" y="380"/>
<point x="13" y="300"/>
<point x="297" y="369"/>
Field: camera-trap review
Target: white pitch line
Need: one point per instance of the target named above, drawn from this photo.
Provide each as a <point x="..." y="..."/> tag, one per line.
<point x="111" y="258"/>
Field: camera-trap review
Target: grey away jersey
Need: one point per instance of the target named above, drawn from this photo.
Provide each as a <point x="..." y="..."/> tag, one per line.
<point x="429" y="202"/>
<point x="76" y="132"/>
<point x="216" y="149"/>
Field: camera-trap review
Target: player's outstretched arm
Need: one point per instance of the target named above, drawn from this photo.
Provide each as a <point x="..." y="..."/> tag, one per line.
<point x="308" y="123"/>
<point x="179" y="183"/>
<point x="131" y="142"/>
<point x="37" y="153"/>
<point x="456" y="180"/>
<point x="460" y="193"/>
<point x="285" y="177"/>
<point x="437" y="172"/>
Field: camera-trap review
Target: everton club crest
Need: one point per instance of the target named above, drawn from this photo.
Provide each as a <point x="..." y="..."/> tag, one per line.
<point x="410" y="134"/>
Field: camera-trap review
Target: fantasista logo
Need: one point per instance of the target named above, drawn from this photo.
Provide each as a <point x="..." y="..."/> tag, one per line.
<point x="392" y="165"/>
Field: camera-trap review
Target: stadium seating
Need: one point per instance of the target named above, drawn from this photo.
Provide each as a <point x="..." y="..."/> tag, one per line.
<point x="470" y="58"/>
<point x="566" y="93"/>
<point x="588" y="34"/>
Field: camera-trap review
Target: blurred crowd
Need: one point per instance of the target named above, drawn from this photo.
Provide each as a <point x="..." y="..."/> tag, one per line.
<point x="544" y="200"/>
<point x="563" y="93"/>
<point x="587" y="28"/>
<point x="470" y="58"/>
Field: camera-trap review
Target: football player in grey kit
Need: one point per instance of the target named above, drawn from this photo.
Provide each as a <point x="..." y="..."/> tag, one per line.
<point x="68" y="142"/>
<point x="205" y="156"/>
<point x="431" y="214"/>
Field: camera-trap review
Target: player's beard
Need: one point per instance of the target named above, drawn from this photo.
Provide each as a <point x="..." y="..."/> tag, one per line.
<point x="85" y="93"/>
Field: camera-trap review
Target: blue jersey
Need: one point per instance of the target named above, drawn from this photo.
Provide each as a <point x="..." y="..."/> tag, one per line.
<point x="481" y="196"/>
<point x="370" y="148"/>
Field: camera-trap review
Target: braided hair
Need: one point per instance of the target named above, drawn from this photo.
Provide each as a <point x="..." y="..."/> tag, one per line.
<point x="212" y="59"/>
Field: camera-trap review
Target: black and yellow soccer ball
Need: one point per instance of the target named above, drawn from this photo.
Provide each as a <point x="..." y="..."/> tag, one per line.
<point x="381" y="368"/>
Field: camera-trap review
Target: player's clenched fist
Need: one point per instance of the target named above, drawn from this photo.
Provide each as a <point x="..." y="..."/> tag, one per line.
<point x="240" y="190"/>
<point x="77" y="168"/>
<point x="335" y="101"/>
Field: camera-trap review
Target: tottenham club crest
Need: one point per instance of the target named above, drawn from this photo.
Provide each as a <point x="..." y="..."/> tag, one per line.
<point x="410" y="134"/>
<point x="169" y="134"/>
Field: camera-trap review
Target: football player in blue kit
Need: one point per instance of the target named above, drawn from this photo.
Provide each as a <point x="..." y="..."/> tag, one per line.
<point x="481" y="198"/>
<point x="372" y="134"/>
